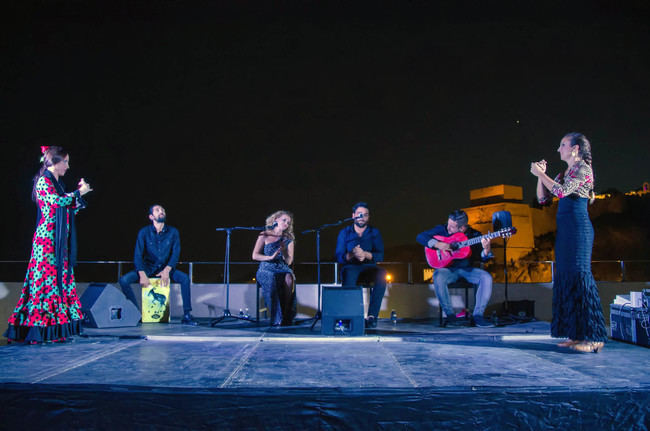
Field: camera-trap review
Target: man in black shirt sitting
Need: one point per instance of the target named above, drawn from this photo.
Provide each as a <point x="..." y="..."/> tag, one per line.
<point x="157" y="250"/>
<point x="359" y="247"/>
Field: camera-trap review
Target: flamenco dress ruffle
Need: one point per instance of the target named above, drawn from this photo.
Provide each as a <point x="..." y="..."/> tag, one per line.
<point x="577" y="311"/>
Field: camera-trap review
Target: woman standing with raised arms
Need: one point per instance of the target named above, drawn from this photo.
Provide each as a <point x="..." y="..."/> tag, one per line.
<point x="577" y="312"/>
<point x="48" y="308"/>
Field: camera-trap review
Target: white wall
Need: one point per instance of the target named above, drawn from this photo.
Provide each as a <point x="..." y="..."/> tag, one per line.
<point x="408" y="300"/>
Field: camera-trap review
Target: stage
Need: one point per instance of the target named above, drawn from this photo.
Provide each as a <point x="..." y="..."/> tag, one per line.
<point x="412" y="375"/>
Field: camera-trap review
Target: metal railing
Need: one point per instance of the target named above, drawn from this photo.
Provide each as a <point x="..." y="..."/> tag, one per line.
<point x="620" y="263"/>
<point x="622" y="266"/>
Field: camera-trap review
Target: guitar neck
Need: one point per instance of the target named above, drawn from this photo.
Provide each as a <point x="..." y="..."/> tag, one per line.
<point x="478" y="239"/>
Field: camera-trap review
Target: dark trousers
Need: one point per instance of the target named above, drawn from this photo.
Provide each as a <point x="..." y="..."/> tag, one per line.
<point x="175" y="276"/>
<point x="364" y="275"/>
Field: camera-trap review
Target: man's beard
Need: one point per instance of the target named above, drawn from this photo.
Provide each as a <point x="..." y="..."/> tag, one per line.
<point x="160" y="219"/>
<point x="360" y="223"/>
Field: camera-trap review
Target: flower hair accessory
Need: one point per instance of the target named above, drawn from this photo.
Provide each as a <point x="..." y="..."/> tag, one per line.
<point x="44" y="149"/>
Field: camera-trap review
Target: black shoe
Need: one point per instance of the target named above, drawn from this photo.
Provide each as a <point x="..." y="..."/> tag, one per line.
<point x="481" y="322"/>
<point x="371" y="322"/>
<point x="188" y="320"/>
<point x="452" y="320"/>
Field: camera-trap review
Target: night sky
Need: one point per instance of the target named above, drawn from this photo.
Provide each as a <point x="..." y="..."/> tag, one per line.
<point x="226" y="111"/>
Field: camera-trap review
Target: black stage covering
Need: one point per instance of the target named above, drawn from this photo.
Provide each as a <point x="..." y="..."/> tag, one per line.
<point x="115" y="407"/>
<point x="412" y="375"/>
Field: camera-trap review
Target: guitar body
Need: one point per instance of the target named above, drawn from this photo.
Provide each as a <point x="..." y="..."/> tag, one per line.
<point x="460" y="246"/>
<point x="441" y="258"/>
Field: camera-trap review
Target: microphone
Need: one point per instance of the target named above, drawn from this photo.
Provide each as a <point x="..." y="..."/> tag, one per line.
<point x="351" y="218"/>
<point x="273" y="226"/>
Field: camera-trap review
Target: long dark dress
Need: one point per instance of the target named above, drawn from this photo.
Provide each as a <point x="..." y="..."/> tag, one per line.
<point x="48" y="308"/>
<point x="270" y="275"/>
<point x="577" y="312"/>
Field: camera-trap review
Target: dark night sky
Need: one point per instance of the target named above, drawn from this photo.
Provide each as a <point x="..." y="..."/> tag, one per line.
<point x="226" y="111"/>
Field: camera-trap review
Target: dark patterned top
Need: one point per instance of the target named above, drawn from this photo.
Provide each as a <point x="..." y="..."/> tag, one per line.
<point x="278" y="264"/>
<point x="579" y="181"/>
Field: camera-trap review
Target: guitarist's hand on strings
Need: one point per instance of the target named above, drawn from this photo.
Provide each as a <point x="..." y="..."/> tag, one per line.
<point x="487" y="247"/>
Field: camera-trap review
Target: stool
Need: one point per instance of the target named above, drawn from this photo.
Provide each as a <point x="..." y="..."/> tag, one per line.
<point x="366" y="279"/>
<point x="460" y="284"/>
<point x="258" y="308"/>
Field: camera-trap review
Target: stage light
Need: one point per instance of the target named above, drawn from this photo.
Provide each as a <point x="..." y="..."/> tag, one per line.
<point x="389" y="278"/>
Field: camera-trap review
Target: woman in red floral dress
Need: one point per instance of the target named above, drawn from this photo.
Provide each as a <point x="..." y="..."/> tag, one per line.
<point x="48" y="308"/>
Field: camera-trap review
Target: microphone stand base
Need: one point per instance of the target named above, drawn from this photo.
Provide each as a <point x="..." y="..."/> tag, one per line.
<point x="228" y="315"/>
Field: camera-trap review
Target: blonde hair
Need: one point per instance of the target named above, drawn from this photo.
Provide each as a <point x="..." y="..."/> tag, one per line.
<point x="276" y="215"/>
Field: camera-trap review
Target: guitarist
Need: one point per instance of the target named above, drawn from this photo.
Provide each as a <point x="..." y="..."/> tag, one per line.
<point x="461" y="268"/>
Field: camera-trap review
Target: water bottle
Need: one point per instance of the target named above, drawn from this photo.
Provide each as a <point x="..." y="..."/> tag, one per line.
<point x="339" y="326"/>
<point x="393" y="317"/>
<point x="246" y="313"/>
<point x="241" y="313"/>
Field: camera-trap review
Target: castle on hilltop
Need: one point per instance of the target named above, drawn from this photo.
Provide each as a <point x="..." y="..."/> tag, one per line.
<point x="530" y="222"/>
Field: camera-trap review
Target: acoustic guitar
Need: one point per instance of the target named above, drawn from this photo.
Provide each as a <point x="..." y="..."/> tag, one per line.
<point x="460" y="246"/>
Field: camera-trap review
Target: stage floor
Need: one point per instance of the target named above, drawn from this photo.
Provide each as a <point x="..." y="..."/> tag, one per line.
<point x="406" y="363"/>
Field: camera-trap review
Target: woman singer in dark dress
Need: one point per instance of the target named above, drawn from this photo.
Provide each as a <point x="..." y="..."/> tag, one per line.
<point x="577" y="313"/>
<point x="48" y="308"/>
<point x="274" y="250"/>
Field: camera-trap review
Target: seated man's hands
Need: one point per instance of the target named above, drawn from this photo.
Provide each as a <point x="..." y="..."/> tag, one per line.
<point x="359" y="253"/>
<point x="164" y="276"/>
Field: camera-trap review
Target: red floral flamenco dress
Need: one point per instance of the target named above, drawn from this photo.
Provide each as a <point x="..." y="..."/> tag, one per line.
<point x="49" y="308"/>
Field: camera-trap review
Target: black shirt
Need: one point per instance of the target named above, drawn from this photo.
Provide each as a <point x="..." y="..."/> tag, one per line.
<point x="154" y="251"/>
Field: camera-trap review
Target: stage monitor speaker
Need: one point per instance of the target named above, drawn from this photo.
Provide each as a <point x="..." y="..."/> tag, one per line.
<point x="342" y="311"/>
<point x="105" y="306"/>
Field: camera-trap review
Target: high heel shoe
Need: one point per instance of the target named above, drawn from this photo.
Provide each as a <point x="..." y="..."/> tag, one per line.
<point x="588" y="346"/>
<point x="567" y="343"/>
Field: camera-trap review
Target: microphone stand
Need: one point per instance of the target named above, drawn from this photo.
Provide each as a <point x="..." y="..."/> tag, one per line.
<point x="226" y="274"/>
<point x="318" y="316"/>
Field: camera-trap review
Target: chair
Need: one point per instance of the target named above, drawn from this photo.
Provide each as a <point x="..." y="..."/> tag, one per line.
<point x="258" y="308"/>
<point x="460" y="284"/>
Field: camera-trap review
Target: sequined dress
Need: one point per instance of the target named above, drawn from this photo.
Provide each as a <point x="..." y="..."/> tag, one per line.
<point x="269" y="275"/>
